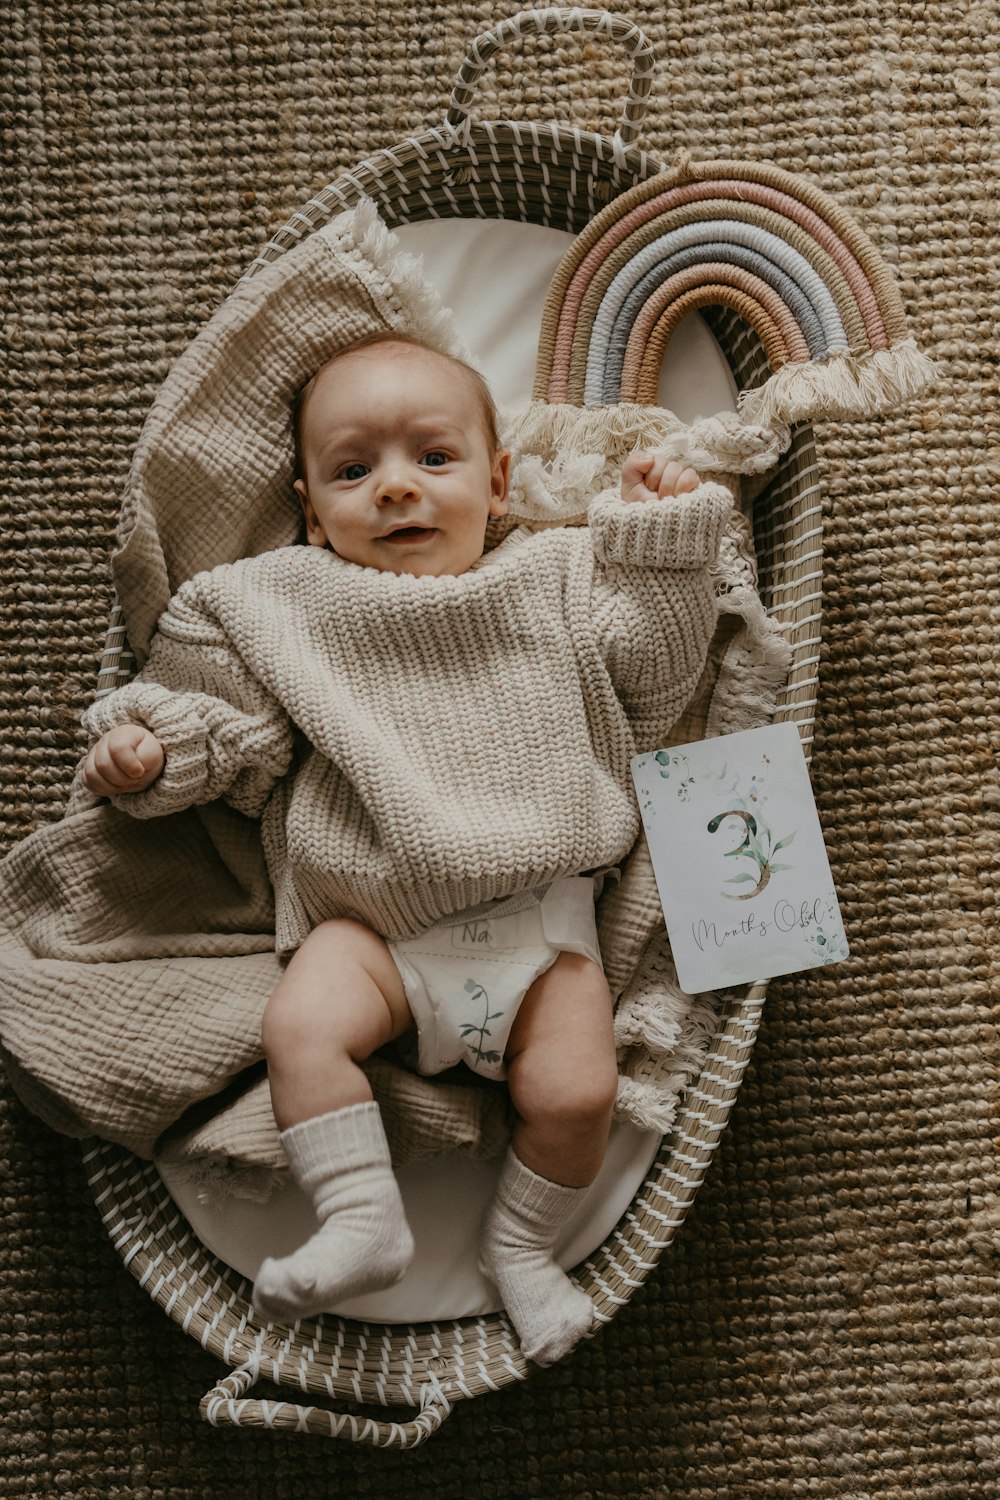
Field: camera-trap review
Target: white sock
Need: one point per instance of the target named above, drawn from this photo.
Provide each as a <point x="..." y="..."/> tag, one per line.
<point x="363" y="1242"/>
<point x="551" y="1315"/>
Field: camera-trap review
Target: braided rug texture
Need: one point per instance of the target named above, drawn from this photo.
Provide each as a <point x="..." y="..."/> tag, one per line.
<point x="827" y="1323"/>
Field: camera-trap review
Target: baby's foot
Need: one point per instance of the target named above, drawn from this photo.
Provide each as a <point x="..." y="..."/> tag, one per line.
<point x="550" y="1314"/>
<point x="364" y="1242"/>
<point x="353" y="1252"/>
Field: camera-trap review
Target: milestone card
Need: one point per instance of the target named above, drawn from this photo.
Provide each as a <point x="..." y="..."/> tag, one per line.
<point x="739" y="859"/>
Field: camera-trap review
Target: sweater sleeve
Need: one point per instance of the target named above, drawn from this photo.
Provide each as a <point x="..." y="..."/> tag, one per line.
<point x="223" y="733"/>
<point x="681" y="532"/>
<point x="654" y="603"/>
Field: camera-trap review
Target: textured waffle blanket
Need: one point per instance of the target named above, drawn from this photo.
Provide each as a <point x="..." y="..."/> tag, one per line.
<point x="137" y="957"/>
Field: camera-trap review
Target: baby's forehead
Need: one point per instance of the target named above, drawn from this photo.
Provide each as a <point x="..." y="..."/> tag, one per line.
<point x="417" y="372"/>
<point x="389" y="356"/>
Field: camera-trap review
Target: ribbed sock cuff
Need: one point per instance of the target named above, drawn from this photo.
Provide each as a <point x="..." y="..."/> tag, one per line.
<point x="535" y="1197"/>
<point x="345" y="1140"/>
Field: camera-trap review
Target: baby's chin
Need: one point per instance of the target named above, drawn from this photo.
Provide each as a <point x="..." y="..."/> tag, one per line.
<point x="428" y="561"/>
<point x="419" y="552"/>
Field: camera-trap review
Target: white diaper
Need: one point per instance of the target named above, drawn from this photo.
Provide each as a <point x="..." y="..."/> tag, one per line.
<point x="466" y="976"/>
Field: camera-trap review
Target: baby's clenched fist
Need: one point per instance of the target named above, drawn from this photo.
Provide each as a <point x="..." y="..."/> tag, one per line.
<point x="651" y="474"/>
<point x="126" y="759"/>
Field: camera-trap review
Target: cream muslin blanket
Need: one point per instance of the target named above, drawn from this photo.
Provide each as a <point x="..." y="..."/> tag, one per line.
<point x="136" y="958"/>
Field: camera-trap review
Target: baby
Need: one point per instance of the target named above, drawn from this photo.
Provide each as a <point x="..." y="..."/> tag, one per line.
<point x="437" y="738"/>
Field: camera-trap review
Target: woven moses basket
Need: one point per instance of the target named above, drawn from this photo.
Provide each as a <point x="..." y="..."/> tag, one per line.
<point x="562" y="177"/>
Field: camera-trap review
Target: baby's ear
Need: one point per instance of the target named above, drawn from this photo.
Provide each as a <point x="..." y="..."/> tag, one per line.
<point x="315" y="535"/>
<point x="500" y="482"/>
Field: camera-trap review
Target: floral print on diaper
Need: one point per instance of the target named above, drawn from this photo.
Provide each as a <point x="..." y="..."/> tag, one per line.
<point x="480" y="1029"/>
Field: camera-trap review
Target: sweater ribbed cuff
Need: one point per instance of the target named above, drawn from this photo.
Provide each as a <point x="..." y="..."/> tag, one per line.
<point x="184" y="778"/>
<point x="682" y="531"/>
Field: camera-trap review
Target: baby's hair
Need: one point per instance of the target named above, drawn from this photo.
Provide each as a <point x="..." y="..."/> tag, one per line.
<point x="482" y="391"/>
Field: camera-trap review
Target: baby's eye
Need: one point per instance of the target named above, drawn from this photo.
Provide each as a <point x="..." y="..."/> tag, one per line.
<point x="352" y="472"/>
<point x="435" y="459"/>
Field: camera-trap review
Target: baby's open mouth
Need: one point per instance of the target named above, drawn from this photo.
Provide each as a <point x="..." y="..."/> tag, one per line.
<point x="410" y="534"/>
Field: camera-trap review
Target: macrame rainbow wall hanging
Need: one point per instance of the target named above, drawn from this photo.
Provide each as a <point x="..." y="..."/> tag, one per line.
<point x="745" y="236"/>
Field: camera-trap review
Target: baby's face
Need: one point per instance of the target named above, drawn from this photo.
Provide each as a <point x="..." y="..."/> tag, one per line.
<point x="397" y="471"/>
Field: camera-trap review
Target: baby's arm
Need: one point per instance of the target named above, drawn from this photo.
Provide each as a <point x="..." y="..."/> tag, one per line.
<point x="653" y="601"/>
<point x="665" y="518"/>
<point x="195" y="724"/>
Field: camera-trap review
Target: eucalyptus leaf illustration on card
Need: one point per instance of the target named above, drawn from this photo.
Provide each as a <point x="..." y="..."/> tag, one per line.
<point x="739" y="858"/>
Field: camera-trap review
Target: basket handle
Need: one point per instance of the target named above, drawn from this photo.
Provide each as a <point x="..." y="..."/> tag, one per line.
<point x="224" y="1406"/>
<point x="553" y="21"/>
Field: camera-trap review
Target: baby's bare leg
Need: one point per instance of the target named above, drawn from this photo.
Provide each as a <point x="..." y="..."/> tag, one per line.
<point x="562" y="1075"/>
<point x="340" y="998"/>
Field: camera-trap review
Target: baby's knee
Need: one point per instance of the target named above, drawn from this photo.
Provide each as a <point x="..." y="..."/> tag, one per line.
<point x="595" y="1093"/>
<point x="580" y="1101"/>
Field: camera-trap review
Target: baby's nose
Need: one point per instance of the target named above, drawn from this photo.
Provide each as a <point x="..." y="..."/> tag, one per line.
<point x="398" y="482"/>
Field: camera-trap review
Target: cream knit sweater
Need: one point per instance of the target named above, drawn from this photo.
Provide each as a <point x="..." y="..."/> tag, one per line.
<point x="420" y="745"/>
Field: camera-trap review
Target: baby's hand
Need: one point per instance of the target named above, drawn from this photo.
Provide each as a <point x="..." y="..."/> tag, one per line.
<point x="126" y="759"/>
<point x="651" y="474"/>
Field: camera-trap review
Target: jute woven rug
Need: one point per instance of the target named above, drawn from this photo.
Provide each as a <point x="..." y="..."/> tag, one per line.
<point x="827" y="1323"/>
